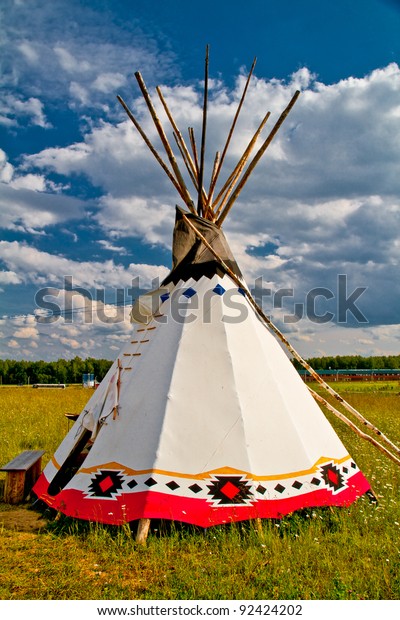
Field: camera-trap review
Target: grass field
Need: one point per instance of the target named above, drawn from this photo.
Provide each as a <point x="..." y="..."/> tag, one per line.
<point x="322" y="554"/>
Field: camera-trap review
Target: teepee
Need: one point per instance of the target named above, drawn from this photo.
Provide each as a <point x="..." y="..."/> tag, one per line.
<point x="202" y="418"/>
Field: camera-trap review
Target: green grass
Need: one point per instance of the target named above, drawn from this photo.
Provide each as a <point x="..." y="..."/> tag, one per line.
<point x="31" y="419"/>
<point x="353" y="387"/>
<point x="351" y="553"/>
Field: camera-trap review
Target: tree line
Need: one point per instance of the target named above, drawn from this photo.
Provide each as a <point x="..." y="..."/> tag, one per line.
<point x="352" y="362"/>
<point x="21" y="372"/>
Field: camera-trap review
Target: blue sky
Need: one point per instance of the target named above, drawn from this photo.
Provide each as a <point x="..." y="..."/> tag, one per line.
<point x="83" y="202"/>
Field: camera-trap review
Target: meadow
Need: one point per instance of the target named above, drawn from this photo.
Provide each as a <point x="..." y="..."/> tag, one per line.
<point x="324" y="554"/>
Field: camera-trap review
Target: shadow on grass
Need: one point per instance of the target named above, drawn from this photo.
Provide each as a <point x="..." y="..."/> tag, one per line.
<point x="330" y="520"/>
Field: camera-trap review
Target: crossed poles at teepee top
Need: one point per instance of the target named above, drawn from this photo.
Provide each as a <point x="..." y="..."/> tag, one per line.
<point x="214" y="209"/>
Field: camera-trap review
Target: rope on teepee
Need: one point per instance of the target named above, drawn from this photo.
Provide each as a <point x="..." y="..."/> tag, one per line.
<point x="116" y="406"/>
<point x="284" y="340"/>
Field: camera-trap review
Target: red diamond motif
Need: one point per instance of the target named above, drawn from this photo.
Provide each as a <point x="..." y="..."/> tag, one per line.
<point x="333" y="477"/>
<point x="230" y="490"/>
<point x="106" y="484"/>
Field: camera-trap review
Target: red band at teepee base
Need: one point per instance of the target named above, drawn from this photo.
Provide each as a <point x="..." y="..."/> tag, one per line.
<point x="128" y="507"/>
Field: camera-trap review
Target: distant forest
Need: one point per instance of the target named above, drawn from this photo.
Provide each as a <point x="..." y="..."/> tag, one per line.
<point x="14" y="372"/>
<point x="355" y="362"/>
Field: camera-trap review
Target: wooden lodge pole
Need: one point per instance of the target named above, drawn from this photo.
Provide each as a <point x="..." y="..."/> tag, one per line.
<point x="184" y="151"/>
<point x="142" y="531"/>
<point x="353" y="426"/>
<point x="194" y="150"/>
<point x="200" y="204"/>
<point x="192" y="173"/>
<point x="257" y="157"/>
<point x="178" y="137"/>
<point x="156" y="155"/>
<point x="217" y="159"/>
<point x="230" y="183"/>
<point x="164" y="139"/>
<point x="215" y="176"/>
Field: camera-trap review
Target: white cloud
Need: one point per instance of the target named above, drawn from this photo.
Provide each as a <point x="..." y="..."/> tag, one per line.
<point x="26" y="332"/>
<point x="97" y="56"/>
<point x="29" y="52"/>
<point x="14" y="109"/>
<point x="107" y="245"/>
<point x="108" y="82"/>
<point x="30" y="202"/>
<point x="79" y="93"/>
<point x="70" y="63"/>
<point x="42" y="268"/>
<point x="72" y="344"/>
<point x="9" y="277"/>
<point x="29" y="210"/>
<point x="6" y="169"/>
<point x="63" y="161"/>
<point x="145" y="219"/>
<point x="34" y="182"/>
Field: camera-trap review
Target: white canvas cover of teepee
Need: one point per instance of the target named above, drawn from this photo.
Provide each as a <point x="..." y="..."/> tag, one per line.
<point x="202" y="418"/>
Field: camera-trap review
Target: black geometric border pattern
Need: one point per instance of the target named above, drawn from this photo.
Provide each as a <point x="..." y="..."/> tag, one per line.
<point x="106" y="484"/>
<point x="226" y="490"/>
<point x="335" y="478"/>
<point x="220" y="489"/>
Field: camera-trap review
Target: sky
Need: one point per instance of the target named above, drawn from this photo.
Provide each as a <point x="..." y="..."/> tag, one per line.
<point x="86" y="213"/>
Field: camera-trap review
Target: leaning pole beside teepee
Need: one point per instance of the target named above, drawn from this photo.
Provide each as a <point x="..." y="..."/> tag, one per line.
<point x="202" y="418"/>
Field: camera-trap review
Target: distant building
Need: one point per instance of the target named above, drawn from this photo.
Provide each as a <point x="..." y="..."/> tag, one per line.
<point x="357" y="374"/>
<point x="88" y="380"/>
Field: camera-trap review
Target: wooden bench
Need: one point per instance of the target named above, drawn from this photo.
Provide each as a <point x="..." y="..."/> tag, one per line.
<point x="72" y="416"/>
<point x="22" y="473"/>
